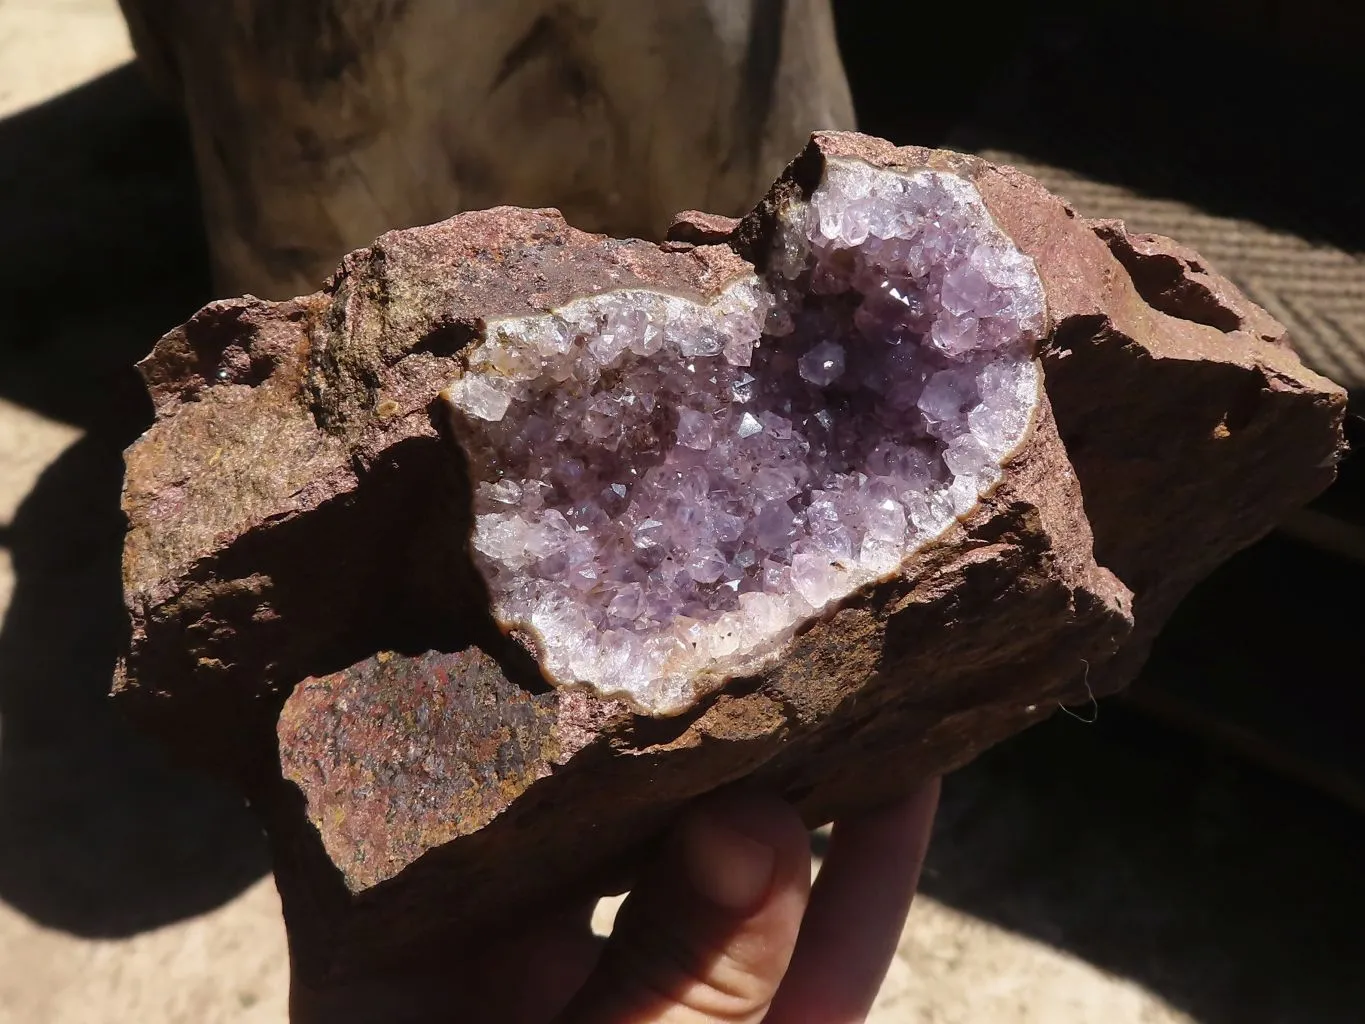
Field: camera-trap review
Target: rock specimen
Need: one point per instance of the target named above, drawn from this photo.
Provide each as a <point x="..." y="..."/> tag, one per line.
<point x="473" y="566"/>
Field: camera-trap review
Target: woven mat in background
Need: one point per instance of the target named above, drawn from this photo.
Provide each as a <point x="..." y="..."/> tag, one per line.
<point x="1315" y="289"/>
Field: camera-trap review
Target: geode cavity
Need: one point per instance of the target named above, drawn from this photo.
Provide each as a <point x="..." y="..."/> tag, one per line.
<point x="666" y="489"/>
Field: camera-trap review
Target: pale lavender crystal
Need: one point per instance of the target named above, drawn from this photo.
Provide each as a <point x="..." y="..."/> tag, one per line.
<point x="823" y="364"/>
<point x="480" y="399"/>
<point x="665" y="488"/>
<point x="695" y="429"/>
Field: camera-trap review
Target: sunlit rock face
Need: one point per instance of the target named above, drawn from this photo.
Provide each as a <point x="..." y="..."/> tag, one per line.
<point x="666" y="490"/>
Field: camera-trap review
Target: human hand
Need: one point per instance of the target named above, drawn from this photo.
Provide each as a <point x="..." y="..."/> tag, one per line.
<point x="724" y="926"/>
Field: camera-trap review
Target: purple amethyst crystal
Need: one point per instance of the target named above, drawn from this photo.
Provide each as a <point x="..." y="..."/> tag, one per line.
<point x="665" y="490"/>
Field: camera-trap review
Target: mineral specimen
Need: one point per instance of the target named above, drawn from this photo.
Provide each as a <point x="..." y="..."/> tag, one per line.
<point x="831" y="498"/>
<point x="667" y="488"/>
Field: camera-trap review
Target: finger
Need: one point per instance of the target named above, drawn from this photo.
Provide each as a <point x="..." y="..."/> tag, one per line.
<point x="708" y="933"/>
<point x="857" y="912"/>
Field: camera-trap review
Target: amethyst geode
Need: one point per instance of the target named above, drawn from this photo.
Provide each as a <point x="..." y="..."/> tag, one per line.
<point x="476" y="564"/>
<point x="665" y="489"/>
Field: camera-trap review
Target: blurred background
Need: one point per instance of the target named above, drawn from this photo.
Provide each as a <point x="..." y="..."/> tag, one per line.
<point x="1195" y="853"/>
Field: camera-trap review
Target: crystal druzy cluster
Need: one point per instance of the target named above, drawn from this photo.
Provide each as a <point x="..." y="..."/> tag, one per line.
<point x="665" y="490"/>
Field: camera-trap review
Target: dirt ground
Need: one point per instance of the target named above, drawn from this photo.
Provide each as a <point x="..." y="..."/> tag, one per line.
<point x="132" y="892"/>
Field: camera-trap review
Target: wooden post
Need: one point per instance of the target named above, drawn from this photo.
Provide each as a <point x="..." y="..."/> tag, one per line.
<point x="320" y="124"/>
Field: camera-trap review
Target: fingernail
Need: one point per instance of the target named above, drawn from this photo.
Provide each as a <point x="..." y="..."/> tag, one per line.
<point x="724" y="865"/>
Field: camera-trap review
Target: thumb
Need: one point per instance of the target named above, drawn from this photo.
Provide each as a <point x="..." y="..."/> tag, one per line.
<point x="709" y="931"/>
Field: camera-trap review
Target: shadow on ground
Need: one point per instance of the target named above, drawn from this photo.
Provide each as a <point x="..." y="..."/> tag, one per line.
<point x="100" y="252"/>
<point x="1233" y="894"/>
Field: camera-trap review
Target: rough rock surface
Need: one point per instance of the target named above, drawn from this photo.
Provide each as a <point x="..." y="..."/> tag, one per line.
<point x="307" y="619"/>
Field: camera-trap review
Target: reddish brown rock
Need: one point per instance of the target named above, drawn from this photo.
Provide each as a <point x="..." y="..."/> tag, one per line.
<point x="297" y="515"/>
